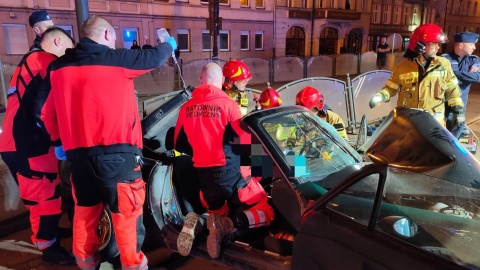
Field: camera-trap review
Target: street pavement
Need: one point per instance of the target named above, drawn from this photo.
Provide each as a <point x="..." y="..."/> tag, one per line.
<point x="17" y="251"/>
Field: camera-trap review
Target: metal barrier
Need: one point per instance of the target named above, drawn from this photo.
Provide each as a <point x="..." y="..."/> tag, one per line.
<point x="282" y="69"/>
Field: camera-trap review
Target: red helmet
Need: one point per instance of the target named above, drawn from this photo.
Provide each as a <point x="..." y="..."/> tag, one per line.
<point x="310" y="97"/>
<point x="270" y="98"/>
<point x="426" y="34"/>
<point x="236" y="70"/>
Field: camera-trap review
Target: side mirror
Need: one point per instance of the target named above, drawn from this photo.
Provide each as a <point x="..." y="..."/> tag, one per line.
<point x="400" y="226"/>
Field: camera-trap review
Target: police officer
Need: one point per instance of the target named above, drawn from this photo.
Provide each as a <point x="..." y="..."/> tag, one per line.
<point x="313" y="100"/>
<point x="423" y="80"/>
<point x="464" y="65"/>
<point x="237" y="75"/>
<point x="40" y="21"/>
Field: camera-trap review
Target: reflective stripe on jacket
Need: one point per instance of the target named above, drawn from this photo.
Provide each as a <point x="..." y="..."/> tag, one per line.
<point x="438" y="86"/>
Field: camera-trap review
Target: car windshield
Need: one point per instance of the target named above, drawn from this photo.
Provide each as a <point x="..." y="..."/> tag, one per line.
<point x="311" y="146"/>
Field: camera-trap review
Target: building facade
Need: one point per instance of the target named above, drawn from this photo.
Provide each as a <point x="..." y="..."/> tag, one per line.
<point x="249" y="28"/>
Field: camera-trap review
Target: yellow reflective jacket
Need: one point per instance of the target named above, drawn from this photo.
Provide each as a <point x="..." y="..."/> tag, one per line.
<point x="438" y="86"/>
<point x="240" y="97"/>
<point x="336" y="121"/>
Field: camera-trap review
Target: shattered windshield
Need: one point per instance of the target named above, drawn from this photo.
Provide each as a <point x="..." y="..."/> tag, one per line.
<point x="311" y="146"/>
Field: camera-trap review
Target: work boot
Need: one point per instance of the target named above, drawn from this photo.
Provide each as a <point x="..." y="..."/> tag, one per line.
<point x="219" y="227"/>
<point x="55" y="254"/>
<point x="192" y="225"/>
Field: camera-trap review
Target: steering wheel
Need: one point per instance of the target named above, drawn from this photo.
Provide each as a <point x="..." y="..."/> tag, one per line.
<point x="313" y="152"/>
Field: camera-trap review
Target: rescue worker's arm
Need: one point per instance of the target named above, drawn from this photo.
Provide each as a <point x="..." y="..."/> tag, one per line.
<point x="234" y="118"/>
<point x="336" y="121"/>
<point x="391" y="88"/>
<point x="452" y="93"/>
<point x="469" y="76"/>
<point x="138" y="62"/>
<point x="46" y="112"/>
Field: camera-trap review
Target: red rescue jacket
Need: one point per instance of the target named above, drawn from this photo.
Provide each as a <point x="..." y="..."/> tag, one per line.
<point x="90" y="99"/>
<point x="207" y="126"/>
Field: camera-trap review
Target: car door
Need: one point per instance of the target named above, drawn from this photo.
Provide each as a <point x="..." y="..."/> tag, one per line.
<point x="353" y="227"/>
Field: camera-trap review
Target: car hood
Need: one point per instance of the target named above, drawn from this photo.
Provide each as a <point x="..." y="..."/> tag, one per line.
<point x="414" y="140"/>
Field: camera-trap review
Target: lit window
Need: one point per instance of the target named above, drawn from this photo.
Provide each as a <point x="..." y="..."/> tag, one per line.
<point x="260" y="3"/>
<point x="244" y="3"/>
<point x="183" y="39"/>
<point x="259" y="40"/>
<point x="206" y="40"/>
<point x="224" y="40"/>
<point x="15" y="36"/>
<point x="224" y="2"/>
<point x="244" y="40"/>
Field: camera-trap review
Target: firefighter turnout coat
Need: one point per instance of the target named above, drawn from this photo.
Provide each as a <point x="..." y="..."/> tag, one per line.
<point x="424" y="88"/>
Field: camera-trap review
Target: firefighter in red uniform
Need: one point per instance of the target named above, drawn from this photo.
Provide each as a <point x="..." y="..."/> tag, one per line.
<point x="237" y="75"/>
<point x="423" y="80"/>
<point x="313" y="100"/>
<point x="35" y="160"/>
<point x="91" y="110"/>
<point x="216" y="157"/>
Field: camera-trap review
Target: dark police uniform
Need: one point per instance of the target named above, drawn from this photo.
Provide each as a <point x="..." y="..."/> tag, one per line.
<point x="461" y="67"/>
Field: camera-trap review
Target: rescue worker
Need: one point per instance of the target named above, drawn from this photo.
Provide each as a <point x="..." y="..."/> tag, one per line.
<point x="423" y="80"/>
<point x="217" y="160"/>
<point x="91" y="110"/>
<point x="313" y="100"/>
<point x="35" y="159"/>
<point x="465" y="67"/>
<point x="39" y="22"/>
<point x="237" y="75"/>
<point x="269" y="98"/>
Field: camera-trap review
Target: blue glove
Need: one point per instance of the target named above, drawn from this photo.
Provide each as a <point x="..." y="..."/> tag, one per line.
<point x="172" y="42"/>
<point x="60" y="153"/>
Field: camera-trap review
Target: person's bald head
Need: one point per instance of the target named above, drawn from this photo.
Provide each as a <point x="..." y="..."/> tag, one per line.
<point x="56" y="40"/>
<point x="212" y="74"/>
<point x="99" y="30"/>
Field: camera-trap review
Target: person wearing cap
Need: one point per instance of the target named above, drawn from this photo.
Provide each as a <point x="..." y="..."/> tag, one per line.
<point x="39" y="21"/>
<point x="34" y="159"/>
<point x="465" y="66"/>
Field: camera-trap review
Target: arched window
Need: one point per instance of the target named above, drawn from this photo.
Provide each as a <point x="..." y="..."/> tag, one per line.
<point x="328" y="41"/>
<point x="295" y="42"/>
<point x="354" y="44"/>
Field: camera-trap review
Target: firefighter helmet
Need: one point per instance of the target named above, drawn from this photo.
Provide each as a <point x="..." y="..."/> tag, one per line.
<point x="424" y="35"/>
<point x="310" y="97"/>
<point x="270" y="98"/>
<point x="236" y="70"/>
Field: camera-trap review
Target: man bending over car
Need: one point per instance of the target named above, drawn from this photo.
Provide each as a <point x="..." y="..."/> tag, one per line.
<point x="206" y="128"/>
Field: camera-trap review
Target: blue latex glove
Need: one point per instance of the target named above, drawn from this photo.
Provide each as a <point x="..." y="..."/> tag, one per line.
<point x="60" y="153"/>
<point x="172" y="42"/>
